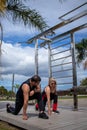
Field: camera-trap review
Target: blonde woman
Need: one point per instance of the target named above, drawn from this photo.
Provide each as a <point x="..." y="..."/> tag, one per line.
<point x="50" y="93"/>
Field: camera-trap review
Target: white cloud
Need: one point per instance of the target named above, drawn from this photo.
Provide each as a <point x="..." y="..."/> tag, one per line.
<point x="16" y="59"/>
<point x="21" y="60"/>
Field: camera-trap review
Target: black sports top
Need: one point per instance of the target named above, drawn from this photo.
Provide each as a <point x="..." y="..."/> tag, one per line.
<point x="43" y="93"/>
<point x="19" y="94"/>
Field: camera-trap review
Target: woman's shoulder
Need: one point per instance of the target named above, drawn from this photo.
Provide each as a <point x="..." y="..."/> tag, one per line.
<point x="47" y="88"/>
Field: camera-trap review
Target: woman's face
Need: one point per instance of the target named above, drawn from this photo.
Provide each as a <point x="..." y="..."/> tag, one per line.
<point x="53" y="85"/>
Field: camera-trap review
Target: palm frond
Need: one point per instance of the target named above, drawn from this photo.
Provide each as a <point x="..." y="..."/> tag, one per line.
<point x="2" y="7"/>
<point x="28" y="16"/>
<point x="81" y="48"/>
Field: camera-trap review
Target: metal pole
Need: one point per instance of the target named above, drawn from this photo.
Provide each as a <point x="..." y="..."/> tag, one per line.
<point x="1" y="38"/>
<point x="36" y="57"/>
<point x="0" y="61"/>
<point x="49" y="61"/>
<point x="12" y="83"/>
<point x="74" y="73"/>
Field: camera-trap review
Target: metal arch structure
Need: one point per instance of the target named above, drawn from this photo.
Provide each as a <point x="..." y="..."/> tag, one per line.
<point x="53" y="41"/>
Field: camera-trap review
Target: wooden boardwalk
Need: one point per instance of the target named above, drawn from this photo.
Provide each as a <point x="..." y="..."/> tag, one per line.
<point x="66" y="120"/>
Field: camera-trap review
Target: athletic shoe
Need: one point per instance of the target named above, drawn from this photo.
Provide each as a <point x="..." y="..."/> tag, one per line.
<point x="56" y="111"/>
<point x="43" y="115"/>
<point x="8" y="108"/>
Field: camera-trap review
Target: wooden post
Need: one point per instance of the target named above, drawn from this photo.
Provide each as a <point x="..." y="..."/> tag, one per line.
<point x="36" y="57"/>
<point x="74" y="73"/>
<point x="12" y="83"/>
<point x="1" y="38"/>
<point x="0" y="62"/>
<point x="49" y="61"/>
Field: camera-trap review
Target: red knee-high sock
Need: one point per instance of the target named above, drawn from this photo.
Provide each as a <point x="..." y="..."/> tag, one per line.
<point x="37" y="106"/>
<point x="55" y="105"/>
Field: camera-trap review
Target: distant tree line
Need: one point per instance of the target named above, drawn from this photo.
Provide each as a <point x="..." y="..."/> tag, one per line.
<point x="8" y="93"/>
<point x="81" y="89"/>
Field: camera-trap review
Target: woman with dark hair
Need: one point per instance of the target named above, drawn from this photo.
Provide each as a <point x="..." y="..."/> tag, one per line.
<point x="50" y="94"/>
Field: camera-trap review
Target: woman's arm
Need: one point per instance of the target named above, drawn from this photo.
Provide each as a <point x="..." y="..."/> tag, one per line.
<point x="47" y="90"/>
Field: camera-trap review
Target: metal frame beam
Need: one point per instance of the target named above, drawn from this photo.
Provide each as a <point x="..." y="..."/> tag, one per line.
<point x="61" y="17"/>
<point x="65" y="22"/>
<point x="66" y="33"/>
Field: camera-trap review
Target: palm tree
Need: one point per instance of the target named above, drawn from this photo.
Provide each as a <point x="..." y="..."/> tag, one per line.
<point x="81" y="48"/>
<point x="16" y="86"/>
<point x="19" y="12"/>
<point x="83" y="82"/>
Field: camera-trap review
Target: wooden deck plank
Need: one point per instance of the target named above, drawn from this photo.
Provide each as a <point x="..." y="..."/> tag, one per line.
<point x="66" y="120"/>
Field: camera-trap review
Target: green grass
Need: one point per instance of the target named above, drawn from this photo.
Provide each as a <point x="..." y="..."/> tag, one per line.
<point x="6" y="126"/>
<point x="70" y="97"/>
<point x="84" y="96"/>
<point x="59" y="97"/>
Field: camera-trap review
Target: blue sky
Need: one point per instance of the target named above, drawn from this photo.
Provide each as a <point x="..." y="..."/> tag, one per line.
<point x="19" y="58"/>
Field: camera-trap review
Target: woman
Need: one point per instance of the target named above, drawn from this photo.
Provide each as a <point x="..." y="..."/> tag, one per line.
<point x="49" y="94"/>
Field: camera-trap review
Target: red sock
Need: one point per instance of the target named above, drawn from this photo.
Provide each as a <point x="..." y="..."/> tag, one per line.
<point x="36" y="106"/>
<point x="55" y="105"/>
